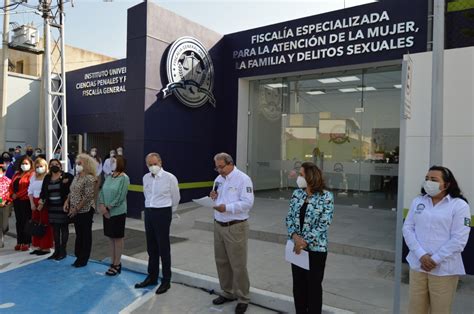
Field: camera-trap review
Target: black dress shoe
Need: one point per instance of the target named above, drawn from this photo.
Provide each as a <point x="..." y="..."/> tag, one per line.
<point x="78" y="265"/>
<point x="163" y="288"/>
<point x="221" y="300"/>
<point x="54" y="255"/>
<point x="60" y="256"/>
<point x="147" y="282"/>
<point x="241" y="308"/>
<point x="42" y="252"/>
<point x="35" y="252"/>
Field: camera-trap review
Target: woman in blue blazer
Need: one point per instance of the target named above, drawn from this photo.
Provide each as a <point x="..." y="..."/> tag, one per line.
<point x="309" y="216"/>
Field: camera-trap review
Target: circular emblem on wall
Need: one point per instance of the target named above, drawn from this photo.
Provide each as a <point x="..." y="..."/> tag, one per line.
<point x="337" y="137"/>
<point x="190" y="73"/>
<point x="270" y="104"/>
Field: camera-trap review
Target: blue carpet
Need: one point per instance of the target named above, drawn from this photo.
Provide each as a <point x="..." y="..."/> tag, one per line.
<point x="56" y="287"/>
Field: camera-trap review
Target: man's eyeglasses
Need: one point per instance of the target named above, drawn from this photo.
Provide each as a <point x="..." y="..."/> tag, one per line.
<point x="220" y="167"/>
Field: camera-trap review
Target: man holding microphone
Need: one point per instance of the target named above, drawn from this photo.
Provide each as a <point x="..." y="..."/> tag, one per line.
<point x="233" y="195"/>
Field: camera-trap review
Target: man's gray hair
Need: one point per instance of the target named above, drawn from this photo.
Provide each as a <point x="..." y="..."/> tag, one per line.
<point x="153" y="155"/>
<point x="225" y="157"/>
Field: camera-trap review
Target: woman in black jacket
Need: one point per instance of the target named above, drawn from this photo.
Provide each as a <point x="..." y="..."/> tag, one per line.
<point x="54" y="193"/>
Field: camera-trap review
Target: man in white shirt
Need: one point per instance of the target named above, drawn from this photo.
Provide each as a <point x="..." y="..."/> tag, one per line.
<point x="233" y="194"/>
<point x="161" y="197"/>
<point x="109" y="164"/>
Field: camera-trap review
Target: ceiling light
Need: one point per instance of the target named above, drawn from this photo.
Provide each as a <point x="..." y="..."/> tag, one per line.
<point x="276" y="85"/>
<point x="315" y="92"/>
<point x="348" y="90"/>
<point x="366" y="89"/>
<point x="329" y="80"/>
<point x="397" y="85"/>
<point x="348" y="78"/>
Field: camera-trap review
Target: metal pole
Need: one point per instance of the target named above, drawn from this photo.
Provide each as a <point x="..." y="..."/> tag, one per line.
<point x="437" y="84"/>
<point x="64" y="142"/>
<point x="397" y="276"/>
<point x="47" y="79"/>
<point x="4" y="79"/>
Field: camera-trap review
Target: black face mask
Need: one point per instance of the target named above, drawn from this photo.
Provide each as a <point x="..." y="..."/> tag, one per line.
<point x="55" y="169"/>
<point x="29" y="153"/>
<point x="7" y="158"/>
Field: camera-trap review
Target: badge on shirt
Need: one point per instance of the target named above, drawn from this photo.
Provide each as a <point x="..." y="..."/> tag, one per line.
<point x="419" y="208"/>
<point x="249" y="189"/>
<point x="467" y="222"/>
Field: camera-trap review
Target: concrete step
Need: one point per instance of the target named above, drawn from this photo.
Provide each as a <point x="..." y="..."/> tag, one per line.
<point x="334" y="247"/>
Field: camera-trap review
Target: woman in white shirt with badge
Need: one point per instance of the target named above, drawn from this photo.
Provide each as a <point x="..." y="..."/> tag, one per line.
<point x="436" y="231"/>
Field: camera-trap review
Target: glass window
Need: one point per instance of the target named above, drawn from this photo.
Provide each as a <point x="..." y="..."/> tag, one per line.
<point x="348" y="123"/>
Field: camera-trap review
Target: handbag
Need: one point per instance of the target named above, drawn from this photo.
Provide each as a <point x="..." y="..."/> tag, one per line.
<point x="35" y="228"/>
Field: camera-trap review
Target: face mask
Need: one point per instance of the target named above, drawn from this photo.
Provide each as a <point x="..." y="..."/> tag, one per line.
<point x="79" y="168"/>
<point x="40" y="170"/>
<point x="37" y="153"/>
<point x="17" y="154"/>
<point x="57" y="156"/>
<point x="6" y="159"/>
<point x="119" y="152"/>
<point x="1" y="175"/>
<point x="55" y="169"/>
<point x="29" y="153"/>
<point x="93" y="153"/>
<point x="431" y="188"/>
<point x="26" y="167"/>
<point x="154" y="169"/>
<point x="113" y="167"/>
<point x="301" y="182"/>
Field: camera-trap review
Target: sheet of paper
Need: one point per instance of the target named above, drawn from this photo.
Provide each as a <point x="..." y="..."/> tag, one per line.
<point x="301" y="260"/>
<point x="205" y="201"/>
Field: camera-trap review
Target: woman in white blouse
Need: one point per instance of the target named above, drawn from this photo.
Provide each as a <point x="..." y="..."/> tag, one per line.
<point x="38" y="212"/>
<point x="436" y="231"/>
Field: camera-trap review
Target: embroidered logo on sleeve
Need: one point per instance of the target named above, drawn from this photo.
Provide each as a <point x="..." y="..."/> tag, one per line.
<point x="419" y="208"/>
<point x="467" y="222"/>
<point x="249" y="189"/>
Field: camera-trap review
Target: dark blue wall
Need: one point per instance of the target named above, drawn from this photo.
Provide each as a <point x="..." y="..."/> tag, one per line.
<point x="103" y="113"/>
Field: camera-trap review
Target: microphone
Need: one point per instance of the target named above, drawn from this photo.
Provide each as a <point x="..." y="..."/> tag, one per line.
<point x="216" y="186"/>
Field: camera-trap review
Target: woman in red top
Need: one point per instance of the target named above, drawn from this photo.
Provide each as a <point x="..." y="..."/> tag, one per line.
<point x="4" y="201"/>
<point x="21" y="202"/>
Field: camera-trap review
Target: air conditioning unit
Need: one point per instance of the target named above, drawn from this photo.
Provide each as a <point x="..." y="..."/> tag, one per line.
<point x="25" y="38"/>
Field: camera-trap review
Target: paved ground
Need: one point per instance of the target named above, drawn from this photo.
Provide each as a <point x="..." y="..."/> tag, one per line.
<point x="359" y="273"/>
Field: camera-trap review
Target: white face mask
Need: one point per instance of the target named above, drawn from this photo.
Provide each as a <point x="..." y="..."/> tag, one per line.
<point x="40" y="170"/>
<point x="1" y="175"/>
<point x="154" y="169"/>
<point x="431" y="188"/>
<point x="93" y="153"/>
<point x="113" y="166"/>
<point x="301" y="182"/>
<point x="119" y="152"/>
<point x="26" y="167"/>
<point x="79" y="168"/>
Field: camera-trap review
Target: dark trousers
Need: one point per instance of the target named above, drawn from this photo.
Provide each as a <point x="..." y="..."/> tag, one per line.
<point x="157" y="228"/>
<point x="61" y="235"/>
<point x="22" y="216"/>
<point x="83" y="245"/>
<point x="307" y="284"/>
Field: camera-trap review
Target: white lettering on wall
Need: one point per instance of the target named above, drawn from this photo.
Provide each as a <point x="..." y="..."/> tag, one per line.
<point x="349" y="36"/>
<point x="109" y="81"/>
